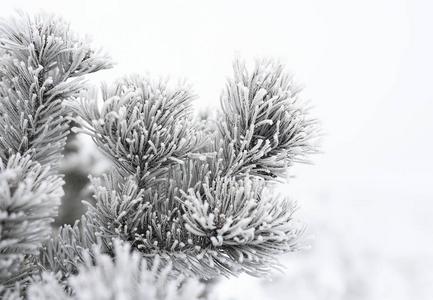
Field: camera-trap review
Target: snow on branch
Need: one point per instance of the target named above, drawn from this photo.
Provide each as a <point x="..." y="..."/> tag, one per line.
<point x="185" y="198"/>
<point x="38" y="56"/>
<point x="243" y="222"/>
<point x="265" y="124"/>
<point x="204" y="208"/>
<point x="29" y="199"/>
<point x="41" y="65"/>
<point x="144" y="126"/>
<point x="127" y="276"/>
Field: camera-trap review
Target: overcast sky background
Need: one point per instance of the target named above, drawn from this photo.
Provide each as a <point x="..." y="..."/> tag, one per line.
<point x="366" y="65"/>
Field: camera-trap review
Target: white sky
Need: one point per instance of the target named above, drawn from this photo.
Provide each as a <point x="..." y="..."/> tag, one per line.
<point x="367" y="65"/>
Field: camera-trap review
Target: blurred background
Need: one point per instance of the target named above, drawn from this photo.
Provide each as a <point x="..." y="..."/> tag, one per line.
<point x="366" y="66"/>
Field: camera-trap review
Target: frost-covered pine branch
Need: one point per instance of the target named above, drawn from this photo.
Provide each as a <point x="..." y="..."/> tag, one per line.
<point x="265" y="125"/>
<point x="143" y="126"/>
<point x="100" y="277"/>
<point x="41" y="66"/>
<point x="204" y="205"/>
<point x="185" y="198"/>
<point x="29" y="198"/>
<point x="128" y="276"/>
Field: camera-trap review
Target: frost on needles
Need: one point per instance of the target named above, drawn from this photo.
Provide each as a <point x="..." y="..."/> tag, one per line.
<point x="186" y="198"/>
<point x="42" y="64"/>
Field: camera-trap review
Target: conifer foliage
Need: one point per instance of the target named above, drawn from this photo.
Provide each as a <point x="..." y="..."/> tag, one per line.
<point x="186" y="199"/>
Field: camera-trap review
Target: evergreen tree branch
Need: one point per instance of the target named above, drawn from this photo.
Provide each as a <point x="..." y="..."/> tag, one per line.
<point x="39" y="56"/>
<point x="195" y="211"/>
<point x="143" y="126"/>
<point x="41" y="65"/>
<point x="265" y="126"/>
<point x="29" y="198"/>
<point x="127" y="276"/>
<point x="184" y="199"/>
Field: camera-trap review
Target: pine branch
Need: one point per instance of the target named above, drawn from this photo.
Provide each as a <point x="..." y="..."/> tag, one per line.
<point x="187" y="198"/>
<point x="143" y="126"/>
<point x="209" y="212"/>
<point x="39" y="56"/>
<point x="127" y="276"/>
<point x="265" y="126"/>
<point x="41" y="65"/>
<point x="65" y="251"/>
<point x="29" y="198"/>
